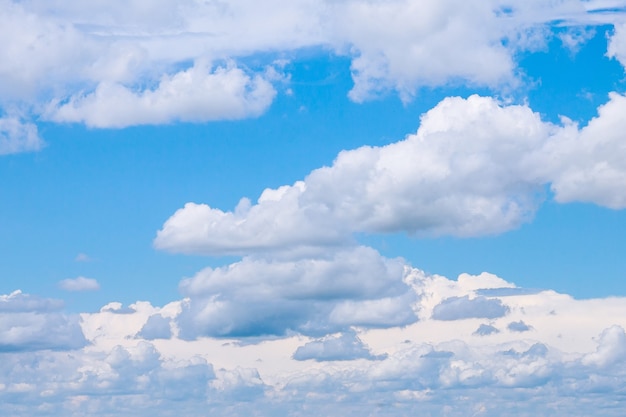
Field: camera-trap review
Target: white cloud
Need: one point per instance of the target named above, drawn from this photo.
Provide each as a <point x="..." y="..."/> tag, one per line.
<point x="17" y="301"/>
<point x="575" y="351"/>
<point x="197" y="94"/>
<point x="79" y="284"/>
<point x="87" y="58"/>
<point x="29" y="323"/>
<point x="402" y="45"/>
<point x="258" y="297"/>
<point x="17" y="136"/>
<point x="617" y="44"/>
<point x="474" y="167"/>
<point x="468" y="171"/>
<point x="611" y="348"/>
<point x="588" y="165"/>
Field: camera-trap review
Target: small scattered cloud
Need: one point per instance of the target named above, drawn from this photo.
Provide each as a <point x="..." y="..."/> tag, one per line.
<point x="17" y="136"/>
<point x="117" y="308"/>
<point x="485" y="330"/>
<point x="519" y="326"/>
<point x="83" y="257"/>
<point x="198" y="94"/>
<point x="79" y="284"/>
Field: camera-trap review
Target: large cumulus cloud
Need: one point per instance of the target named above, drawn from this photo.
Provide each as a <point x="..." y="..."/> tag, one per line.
<point x="469" y="170"/>
<point x="253" y="297"/>
<point x="475" y="167"/>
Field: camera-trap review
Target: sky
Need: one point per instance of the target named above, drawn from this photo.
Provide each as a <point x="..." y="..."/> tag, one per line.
<point x="305" y="208"/>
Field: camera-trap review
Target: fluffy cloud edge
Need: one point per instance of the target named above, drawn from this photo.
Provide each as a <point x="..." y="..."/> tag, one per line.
<point x="475" y="167"/>
<point x="197" y="94"/>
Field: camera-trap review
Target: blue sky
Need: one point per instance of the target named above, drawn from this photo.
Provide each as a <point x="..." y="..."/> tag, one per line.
<point x="238" y="207"/>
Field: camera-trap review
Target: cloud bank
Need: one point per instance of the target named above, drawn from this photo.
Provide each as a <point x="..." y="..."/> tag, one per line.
<point x="116" y="65"/>
<point x="575" y="348"/>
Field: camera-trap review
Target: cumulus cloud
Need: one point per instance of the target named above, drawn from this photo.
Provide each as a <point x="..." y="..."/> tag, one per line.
<point x="311" y="295"/>
<point x="474" y="167"/>
<point x="425" y="365"/>
<point x="611" y="348"/>
<point x="345" y="347"/>
<point x="401" y="45"/>
<point x="198" y="94"/>
<point x="135" y="378"/>
<point x="468" y="171"/>
<point x="79" y="284"/>
<point x="88" y="59"/>
<point x="588" y="165"/>
<point x="617" y="44"/>
<point x="29" y="323"/>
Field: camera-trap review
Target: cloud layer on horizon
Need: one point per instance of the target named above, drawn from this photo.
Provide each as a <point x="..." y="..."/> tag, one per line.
<point x="569" y="349"/>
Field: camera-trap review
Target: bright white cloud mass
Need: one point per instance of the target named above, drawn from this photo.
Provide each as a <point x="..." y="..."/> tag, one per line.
<point x="299" y="312"/>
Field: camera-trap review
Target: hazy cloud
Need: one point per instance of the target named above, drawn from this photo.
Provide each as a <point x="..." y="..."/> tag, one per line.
<point x="79" y="284"/>
<point x="17" y="136"/>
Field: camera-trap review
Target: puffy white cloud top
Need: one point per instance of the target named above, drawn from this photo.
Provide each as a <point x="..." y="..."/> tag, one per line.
<point x="474" y="167"/>
<point x="117" y="64"/>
